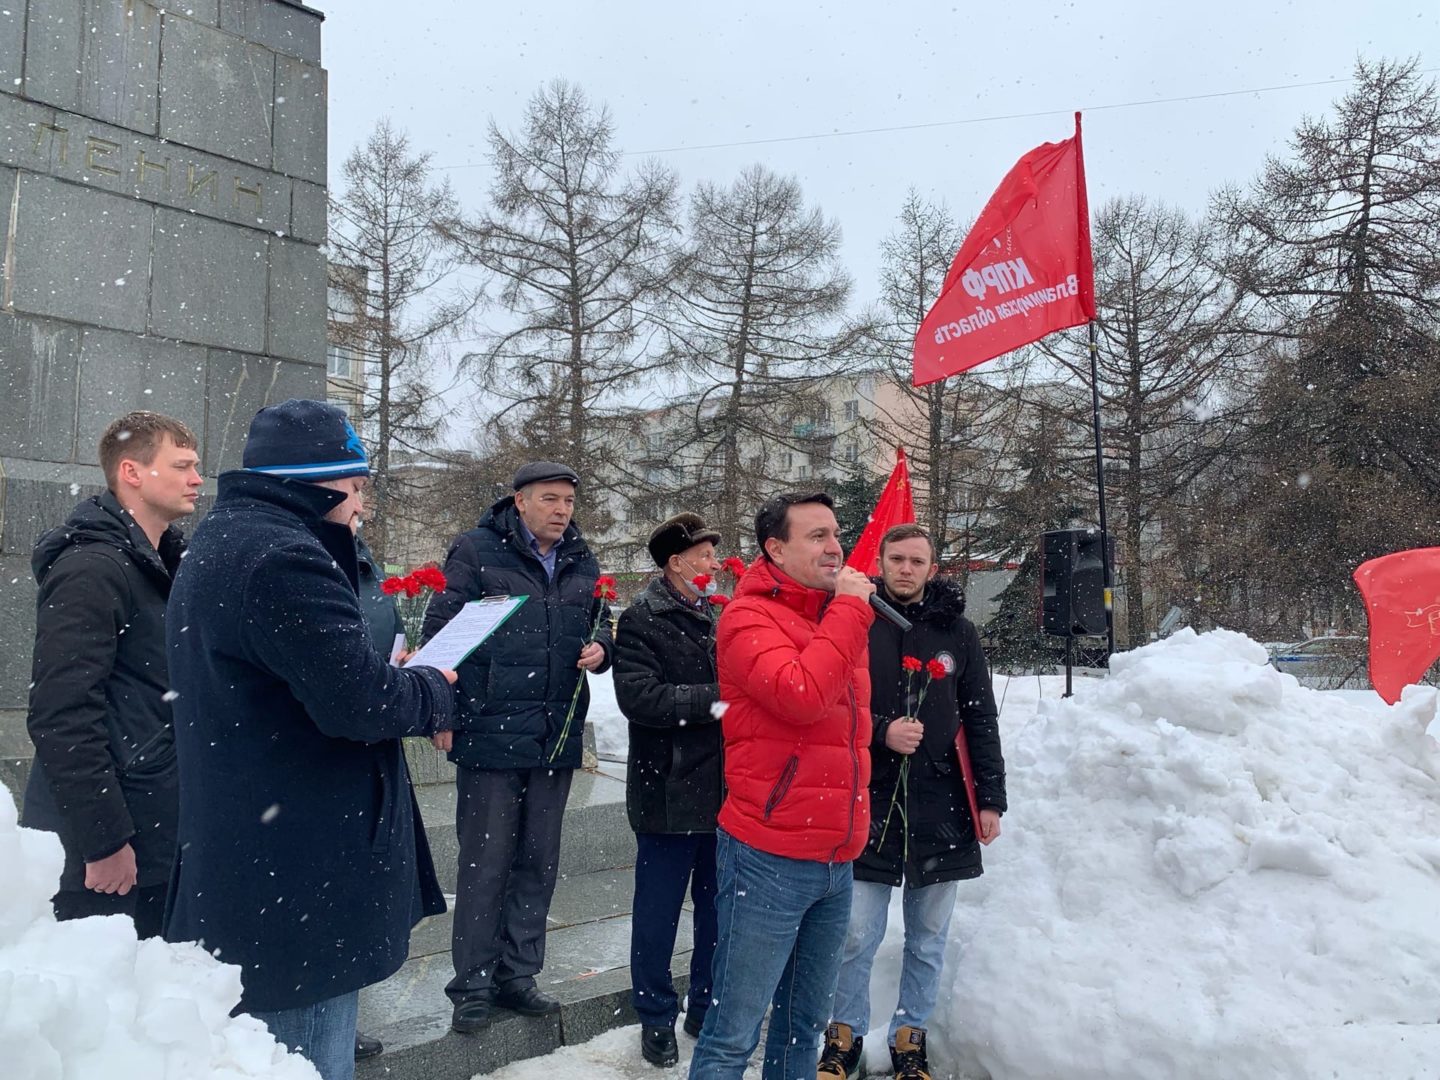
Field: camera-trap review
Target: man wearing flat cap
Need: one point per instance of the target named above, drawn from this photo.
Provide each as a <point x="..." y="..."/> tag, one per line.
<point x="665" y="684"/>
<point x="514" y="754"/>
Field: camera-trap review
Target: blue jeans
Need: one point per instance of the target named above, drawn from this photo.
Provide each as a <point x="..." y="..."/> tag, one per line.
<point x="782" y="924"/>
<point x="927" y="913"/>
<point x="323" y="1033"/>
<point x="665" y="866"/>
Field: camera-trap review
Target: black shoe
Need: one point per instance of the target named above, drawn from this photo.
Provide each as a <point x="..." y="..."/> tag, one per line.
<point x="693" y="1023"/>
<point x="907" y="1056"/>
<point x="527" y="1001"/>
<point x="658" y="1046"/>
<point x="840" y="1056"/>
<point x="473" y="1014"/>
<point x="367" y="1047"/>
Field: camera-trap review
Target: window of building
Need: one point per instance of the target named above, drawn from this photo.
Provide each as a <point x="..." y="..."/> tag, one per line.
<point x="852" y="452"/>
<point x="338" y="363"/>
<point x="852" y="410"/>
<point x="349" y="408"/>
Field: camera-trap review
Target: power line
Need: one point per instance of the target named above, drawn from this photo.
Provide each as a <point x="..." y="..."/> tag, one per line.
<point x="1144" y="102"/>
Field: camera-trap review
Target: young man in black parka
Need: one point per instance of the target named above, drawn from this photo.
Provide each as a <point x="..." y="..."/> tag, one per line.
<point x="923" y="831"/>
<point x="104" y="776"/>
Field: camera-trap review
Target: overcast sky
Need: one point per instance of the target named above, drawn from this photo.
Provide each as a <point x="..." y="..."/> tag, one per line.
<point x="742" y="71"/>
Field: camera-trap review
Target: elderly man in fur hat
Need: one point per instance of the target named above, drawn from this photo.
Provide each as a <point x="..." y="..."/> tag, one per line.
<point x="665" y="683"/>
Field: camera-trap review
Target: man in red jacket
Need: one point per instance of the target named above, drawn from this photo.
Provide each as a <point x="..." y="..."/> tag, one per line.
<point x="792" y="652"/>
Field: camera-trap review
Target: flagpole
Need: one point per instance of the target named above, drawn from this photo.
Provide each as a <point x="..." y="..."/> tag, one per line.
<point x="1105" y="545"/>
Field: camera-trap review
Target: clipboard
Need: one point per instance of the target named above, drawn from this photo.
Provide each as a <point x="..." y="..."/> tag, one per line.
<point x="470" y="627"/>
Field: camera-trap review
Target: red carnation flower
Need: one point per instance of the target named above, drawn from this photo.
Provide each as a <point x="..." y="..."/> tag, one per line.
<point x="719" y="600"/>
<point x="700" y="581"/>
<point x="411" y="585"/>
<point x="430" y="577"/>
<point x="735" y="565"/>
<point x="936" y="668"/>
<point x="392" y="585"/>
<point x="911" y="663"/>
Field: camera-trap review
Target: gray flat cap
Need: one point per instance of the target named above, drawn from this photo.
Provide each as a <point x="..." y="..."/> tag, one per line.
<point x="537" y="472"/>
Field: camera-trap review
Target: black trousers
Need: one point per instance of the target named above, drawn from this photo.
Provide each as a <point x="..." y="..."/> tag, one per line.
<point x="145" y="906"/>
<point x="665" y="867"/>
<point x="508" y="821"/>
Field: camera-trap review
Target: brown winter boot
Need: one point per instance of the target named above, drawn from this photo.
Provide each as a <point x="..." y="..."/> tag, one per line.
<point x="840" y="1056"/>
<point x="907" y="1056"/>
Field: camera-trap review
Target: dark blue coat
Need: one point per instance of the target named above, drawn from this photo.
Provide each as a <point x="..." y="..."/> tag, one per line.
<point x="516" y="688"/>
<point x="299" y="845"/>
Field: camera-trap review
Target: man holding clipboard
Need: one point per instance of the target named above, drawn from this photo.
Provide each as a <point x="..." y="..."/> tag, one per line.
<point x="514" y="755"/>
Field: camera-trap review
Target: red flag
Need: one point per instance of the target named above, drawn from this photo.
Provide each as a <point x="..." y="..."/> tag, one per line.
<point x="895" y="507"/>
<point x="1402" y="598"/>
<point x="1024" y="271"/>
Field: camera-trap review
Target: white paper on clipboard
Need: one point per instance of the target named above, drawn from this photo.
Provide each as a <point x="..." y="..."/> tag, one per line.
<point x="466" y="632"/>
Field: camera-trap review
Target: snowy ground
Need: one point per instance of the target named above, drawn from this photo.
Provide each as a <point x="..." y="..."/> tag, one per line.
<point x="1207" y="870"/>
<point x="614" y="1055"/>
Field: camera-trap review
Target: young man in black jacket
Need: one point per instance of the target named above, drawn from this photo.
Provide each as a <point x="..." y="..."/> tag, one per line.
<point x="515" y="753"/>
<point x="922" y="830"/>
<point x="665" y="684"/>
<point x="104" y="776"/>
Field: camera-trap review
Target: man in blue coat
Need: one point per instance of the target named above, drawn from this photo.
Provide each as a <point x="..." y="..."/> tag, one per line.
<point x="301" y="855"/>
<point x="514" y="752"/>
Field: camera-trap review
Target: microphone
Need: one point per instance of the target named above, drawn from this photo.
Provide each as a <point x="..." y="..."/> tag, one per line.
<point x="889" y="614"/>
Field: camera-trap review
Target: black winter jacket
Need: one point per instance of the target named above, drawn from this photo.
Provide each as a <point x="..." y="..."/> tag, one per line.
<point x="515" y="688"/>
<point x="301" y="855"/>
<point x="665" y="683"/>
<point x="942" y="838"/>
<point x="104" y="772"/>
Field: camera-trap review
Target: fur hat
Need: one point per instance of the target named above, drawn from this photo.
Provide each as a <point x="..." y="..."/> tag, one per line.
<point x="678" y="535"/>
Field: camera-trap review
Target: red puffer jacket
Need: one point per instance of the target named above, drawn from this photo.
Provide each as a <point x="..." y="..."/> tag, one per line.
<point x="797" y="727"/>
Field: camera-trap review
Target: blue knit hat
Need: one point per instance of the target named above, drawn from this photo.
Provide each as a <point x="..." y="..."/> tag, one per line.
<point x="304" y="440"/>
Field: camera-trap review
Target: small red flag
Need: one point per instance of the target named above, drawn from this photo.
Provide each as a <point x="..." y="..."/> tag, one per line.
<point x="895" y="507"/>
<point x="1402" y="598"/>
<point x="1024" y="271"/>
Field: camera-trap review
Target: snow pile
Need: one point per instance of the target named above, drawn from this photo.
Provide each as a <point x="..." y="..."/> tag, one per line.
<point x="612" y="730"/>
<point x="85" y="999"/>
<point x="1207" y="870"/>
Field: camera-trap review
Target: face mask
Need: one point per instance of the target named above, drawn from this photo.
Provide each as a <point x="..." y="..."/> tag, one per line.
<point x="710" y="587"/>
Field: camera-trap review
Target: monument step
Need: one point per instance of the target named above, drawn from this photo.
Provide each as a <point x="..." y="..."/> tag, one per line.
<point x="596" y="833"/>
<point x="586" y="969"/>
